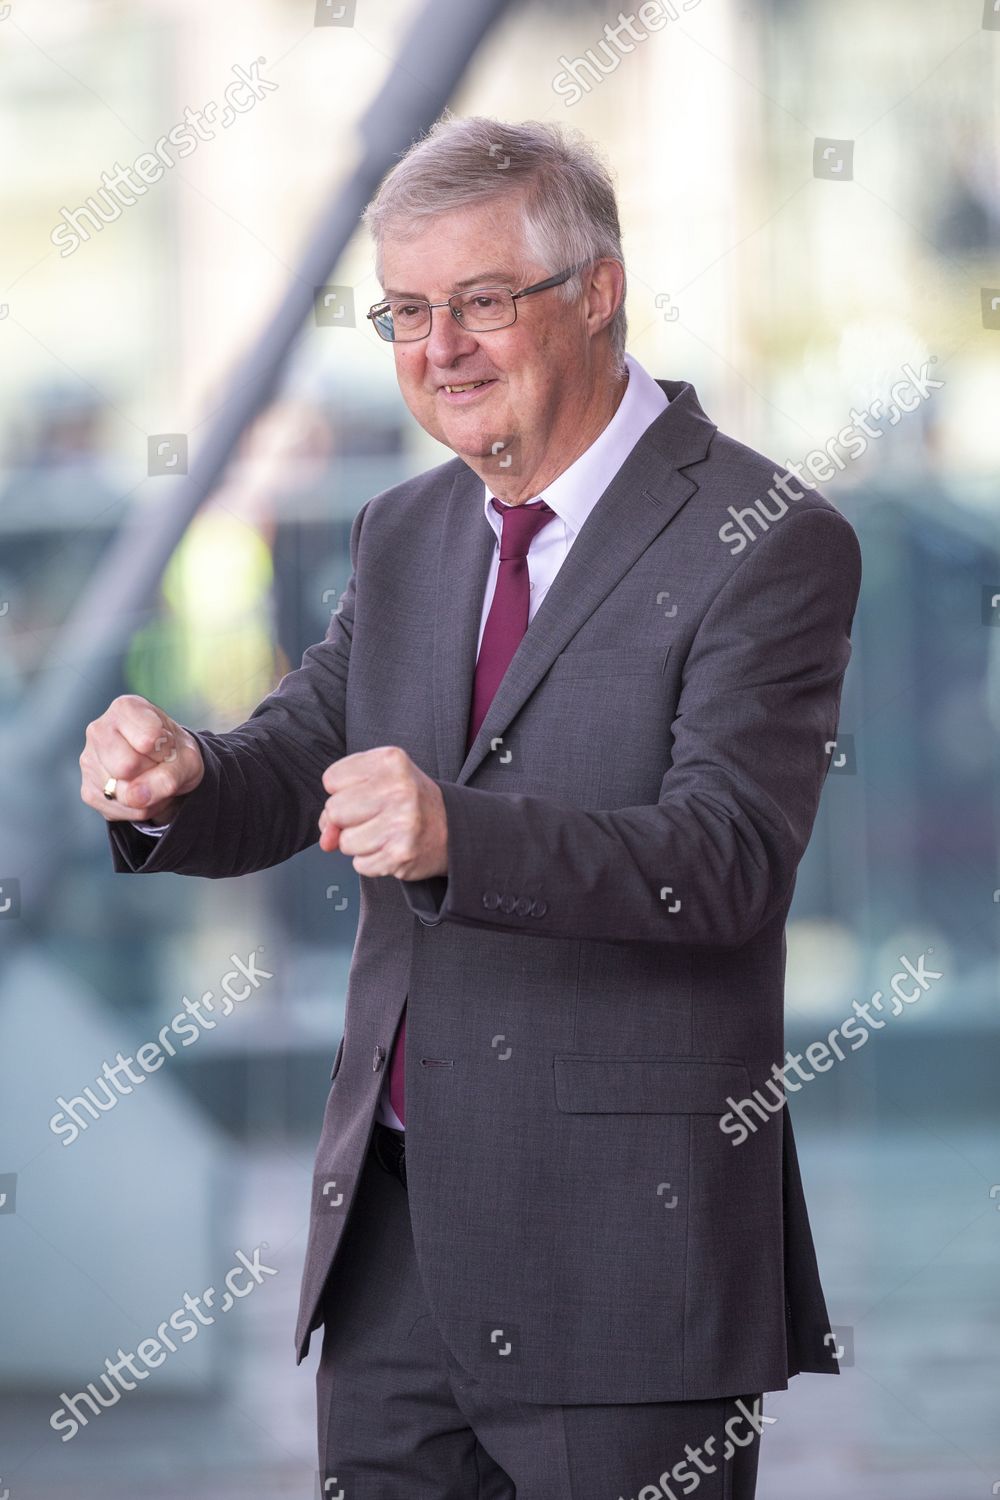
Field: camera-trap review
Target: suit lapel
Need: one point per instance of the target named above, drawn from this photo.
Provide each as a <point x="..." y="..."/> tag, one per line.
<point x="643" y="497"/>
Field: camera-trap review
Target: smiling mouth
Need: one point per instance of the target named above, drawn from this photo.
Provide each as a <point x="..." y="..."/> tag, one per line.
<point x="470" y="385"/>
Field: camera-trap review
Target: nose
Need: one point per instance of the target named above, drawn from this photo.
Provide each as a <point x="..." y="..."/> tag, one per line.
<point x="447" y="337"/>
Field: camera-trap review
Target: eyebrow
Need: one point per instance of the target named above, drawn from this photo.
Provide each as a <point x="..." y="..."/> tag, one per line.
<point x="503" y="275"/>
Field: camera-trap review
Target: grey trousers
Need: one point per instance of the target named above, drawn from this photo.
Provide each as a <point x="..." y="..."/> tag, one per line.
<point x="400" y="1419"/>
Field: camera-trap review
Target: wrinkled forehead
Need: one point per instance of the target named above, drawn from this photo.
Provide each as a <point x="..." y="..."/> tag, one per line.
<point x="477" y="244"/>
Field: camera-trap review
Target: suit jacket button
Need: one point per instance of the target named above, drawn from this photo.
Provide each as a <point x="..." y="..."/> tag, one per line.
<point x="378" y="1058"/>
<point x="522" y="906"/>
<point x="538" y="908"/>
<point x="507" y="904"/>
<point x="491" y="900"/>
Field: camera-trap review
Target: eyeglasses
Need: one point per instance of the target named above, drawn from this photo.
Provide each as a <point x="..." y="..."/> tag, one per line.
<point x="401" y="319"/>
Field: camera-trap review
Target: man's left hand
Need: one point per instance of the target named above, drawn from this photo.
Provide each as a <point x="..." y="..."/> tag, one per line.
<point x="386" y="813"/>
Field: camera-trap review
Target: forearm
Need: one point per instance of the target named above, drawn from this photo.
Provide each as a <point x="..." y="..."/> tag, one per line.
<point x="687" y="870"/>
<point x="260" y="797"/>
<point x="256" y="805"/>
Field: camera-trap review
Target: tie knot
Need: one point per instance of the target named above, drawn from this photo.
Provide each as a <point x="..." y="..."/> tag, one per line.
<point x="520" y="524"/>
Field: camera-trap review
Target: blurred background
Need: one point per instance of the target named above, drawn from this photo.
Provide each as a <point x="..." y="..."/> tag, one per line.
<point x="810" y="200"/>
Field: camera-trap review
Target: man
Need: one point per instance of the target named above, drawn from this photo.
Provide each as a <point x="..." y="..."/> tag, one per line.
<point x="574" y="742"/>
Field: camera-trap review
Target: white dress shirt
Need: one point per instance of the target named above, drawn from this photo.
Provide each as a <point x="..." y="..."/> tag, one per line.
<point x="572" y="495"/>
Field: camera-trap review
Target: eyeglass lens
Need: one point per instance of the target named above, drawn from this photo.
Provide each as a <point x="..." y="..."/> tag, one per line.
<point x="479" y="310"/>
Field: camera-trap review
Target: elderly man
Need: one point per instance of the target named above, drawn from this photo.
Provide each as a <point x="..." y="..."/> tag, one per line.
<point x="573" y="741"/>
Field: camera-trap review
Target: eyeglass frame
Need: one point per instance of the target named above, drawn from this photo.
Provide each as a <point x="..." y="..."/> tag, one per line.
<point x="538" y="286"/>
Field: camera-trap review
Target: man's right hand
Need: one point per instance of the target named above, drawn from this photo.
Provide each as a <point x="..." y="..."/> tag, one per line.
<point x="142" y="747"/>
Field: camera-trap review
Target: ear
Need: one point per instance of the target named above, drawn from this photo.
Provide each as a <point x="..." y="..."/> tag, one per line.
<point x="604" y="289"/>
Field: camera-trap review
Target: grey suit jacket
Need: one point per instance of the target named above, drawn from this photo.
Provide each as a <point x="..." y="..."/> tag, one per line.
<point x="602" y="968"/>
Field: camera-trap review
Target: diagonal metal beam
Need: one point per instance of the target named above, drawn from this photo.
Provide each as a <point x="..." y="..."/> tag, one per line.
<point x="432" y="58"/>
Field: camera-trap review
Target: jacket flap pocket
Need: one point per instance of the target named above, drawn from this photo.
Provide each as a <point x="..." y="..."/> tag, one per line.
<point x="648" y="1085"/>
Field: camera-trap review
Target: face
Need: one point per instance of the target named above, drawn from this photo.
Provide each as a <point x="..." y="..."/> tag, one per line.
<point x="541" y="373"/>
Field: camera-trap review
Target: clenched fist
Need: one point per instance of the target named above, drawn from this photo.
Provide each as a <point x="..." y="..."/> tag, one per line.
<point x="155" y="761"/>
<point x="384" y="811"/>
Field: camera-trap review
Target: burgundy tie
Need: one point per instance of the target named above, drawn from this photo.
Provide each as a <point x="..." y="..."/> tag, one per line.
<point x="505" y="625"/>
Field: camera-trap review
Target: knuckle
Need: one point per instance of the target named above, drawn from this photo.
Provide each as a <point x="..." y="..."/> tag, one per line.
<point x="165" y="746"/>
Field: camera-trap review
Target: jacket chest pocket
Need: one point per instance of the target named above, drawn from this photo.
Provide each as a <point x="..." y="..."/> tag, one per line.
<point x="614" y="662"/>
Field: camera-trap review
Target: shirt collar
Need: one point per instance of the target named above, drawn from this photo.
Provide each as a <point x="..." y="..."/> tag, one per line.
<point x="574" y="493"/>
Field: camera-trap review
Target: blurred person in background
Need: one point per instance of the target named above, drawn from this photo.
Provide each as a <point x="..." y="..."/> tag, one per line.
<point x="574" y="745"/>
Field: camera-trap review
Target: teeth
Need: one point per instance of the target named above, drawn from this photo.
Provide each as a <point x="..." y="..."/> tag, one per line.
<point x="470" y="387"/>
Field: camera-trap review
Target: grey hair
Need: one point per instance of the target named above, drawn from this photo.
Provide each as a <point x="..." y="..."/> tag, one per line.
<point x="569" y="212"/>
